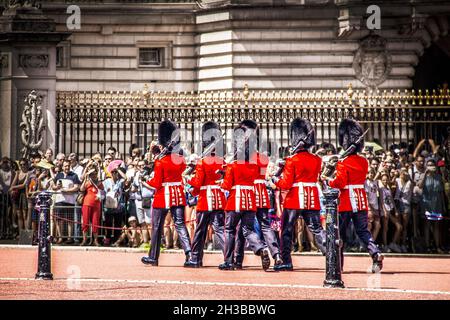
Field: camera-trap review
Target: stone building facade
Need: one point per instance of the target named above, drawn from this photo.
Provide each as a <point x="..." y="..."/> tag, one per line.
<point x="208" y="45"/>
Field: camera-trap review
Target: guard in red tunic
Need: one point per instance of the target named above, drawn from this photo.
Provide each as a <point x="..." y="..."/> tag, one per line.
<point x="300" y="177"/>
<point x="167" y="181"/>
<point x="351" y="173"/>
<point x="211" y="198"/>
<point x="239" y="179"/>
<point x="262" y="204"/>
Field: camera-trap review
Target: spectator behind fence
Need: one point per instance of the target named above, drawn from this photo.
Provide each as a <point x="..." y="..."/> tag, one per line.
<point x="112" y="152"/>
<point x="373" y="199"/>
<point x="143" y="199"/>
<point x="7" y="175"/>
<point x="48" y="155"/>
<point x="32" y="176"/>
<point x="433" y="204"/>
<point x="114" y="207"/>
<point x="75" y="167"/>
<point x="403" y="197"/>
<point x="133" y="234"/>
<point x="39" y="182"/>
<point x="91" y="208"/>
<point x="18" y="196"/>
<point x="67" y="184"/>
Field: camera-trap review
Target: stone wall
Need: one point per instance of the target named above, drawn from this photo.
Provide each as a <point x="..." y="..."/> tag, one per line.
<point x="222" y="45"/>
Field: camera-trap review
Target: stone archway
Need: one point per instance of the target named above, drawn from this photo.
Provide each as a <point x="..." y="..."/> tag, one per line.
<point x="433" y="69"/>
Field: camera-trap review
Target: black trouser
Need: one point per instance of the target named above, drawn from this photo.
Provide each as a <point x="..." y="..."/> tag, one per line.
<point x="361" y="228"/>
<point x="269" y="236"/>
<point x="114" y="218"/>
<point x="312" y="221"/>
<point x="239" y="246"/>
<point x="204" y="219"/>
<point x="158" y="218"/>
<point x="247" y="219"/>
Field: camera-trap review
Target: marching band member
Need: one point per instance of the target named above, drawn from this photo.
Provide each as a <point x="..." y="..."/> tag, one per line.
<point x="211" y="198"/>
<point x="300" y="175"/>
<point x="262" y="203"/>
<point x="351" y="173"/>
<point x="167" y="180"/>
<point x="241" y="203"/>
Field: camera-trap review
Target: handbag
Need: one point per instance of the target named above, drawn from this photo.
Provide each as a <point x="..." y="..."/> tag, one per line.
<point x="111" y="201"/>
<point x="80" y="198"/>
<point x="146" y="203"/>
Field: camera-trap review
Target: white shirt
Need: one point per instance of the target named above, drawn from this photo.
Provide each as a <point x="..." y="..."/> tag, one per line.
<point x="78" y="170"/>
<point x="6" y="177"/>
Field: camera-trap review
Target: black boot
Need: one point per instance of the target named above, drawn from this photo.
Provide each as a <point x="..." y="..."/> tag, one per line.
<point x="226" y="266"/>
<point x="237" y="265"/>
<point x="277" y="260"/>
<point x="190" y="264"/>
<point x="377" y="264"/>
<point x="265" y="258"/>
<point x="149" y="261"/>
<point x="188" y="258"/>
<point x="283" y="267"/>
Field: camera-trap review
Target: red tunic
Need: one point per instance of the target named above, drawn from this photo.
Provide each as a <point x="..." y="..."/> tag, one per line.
<point x="300" y="175"/>
<point x="350" y="176"/>
<point x="210" y="197"/>
<point x="239" y="180"/>
<point x="168" y="182"/>
<point x="261" y="194"/>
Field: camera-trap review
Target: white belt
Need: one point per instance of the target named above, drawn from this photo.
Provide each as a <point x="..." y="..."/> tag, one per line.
<point x="354" y="186"/>
<point x="351" y="188"/>
<point x="241" y="187"/>
<point x="167" y="186"/>
<point x="301" y="191"/>
<point x="172" y="184"/>
<point x="209" y="195"/>
<point x="210" y="186"/>
<point x="238" y="189"/>
<point x="259" y="181"/>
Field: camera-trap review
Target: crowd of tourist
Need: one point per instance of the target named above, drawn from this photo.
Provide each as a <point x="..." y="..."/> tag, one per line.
<point x="105" y="200"/>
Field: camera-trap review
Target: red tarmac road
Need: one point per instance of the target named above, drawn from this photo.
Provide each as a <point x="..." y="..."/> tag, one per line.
<point x="110" y="274"/>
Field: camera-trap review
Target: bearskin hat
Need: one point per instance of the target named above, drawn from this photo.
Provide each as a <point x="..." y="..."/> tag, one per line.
<point x="244" y="142"/>
<point x="253" y="125"/>
<point x="299" y="129"/>
<point x="166" y="131"/>
<point x="210" y="132"/>
<point x="349" y="132"/>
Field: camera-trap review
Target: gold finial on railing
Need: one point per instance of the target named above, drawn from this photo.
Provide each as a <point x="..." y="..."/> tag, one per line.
<point x="350" y="94"/>
<point x="145" y="90"/>
<point x="246" y="94"/>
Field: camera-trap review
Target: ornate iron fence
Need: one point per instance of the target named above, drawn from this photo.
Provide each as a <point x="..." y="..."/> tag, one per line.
<point x="89" y="122"/>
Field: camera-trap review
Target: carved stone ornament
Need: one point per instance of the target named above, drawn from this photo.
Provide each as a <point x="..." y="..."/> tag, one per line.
<point x="33" y="61"/>
<point x="32" y="124"/>
<point x="372" y="62"/>
<point x="29" y="4"/>
<point x="4" y="61"/>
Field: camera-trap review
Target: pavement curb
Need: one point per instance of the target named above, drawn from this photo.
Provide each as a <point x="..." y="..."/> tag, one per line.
<point x="172" y="251"/>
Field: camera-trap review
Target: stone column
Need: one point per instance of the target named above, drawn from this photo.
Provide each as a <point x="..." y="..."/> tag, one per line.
<point x="28" y="42"/>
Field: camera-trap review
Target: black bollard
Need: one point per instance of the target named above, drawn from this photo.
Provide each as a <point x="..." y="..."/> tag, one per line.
<point x="334" y="243"/>
<point x="44" y="237"/>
